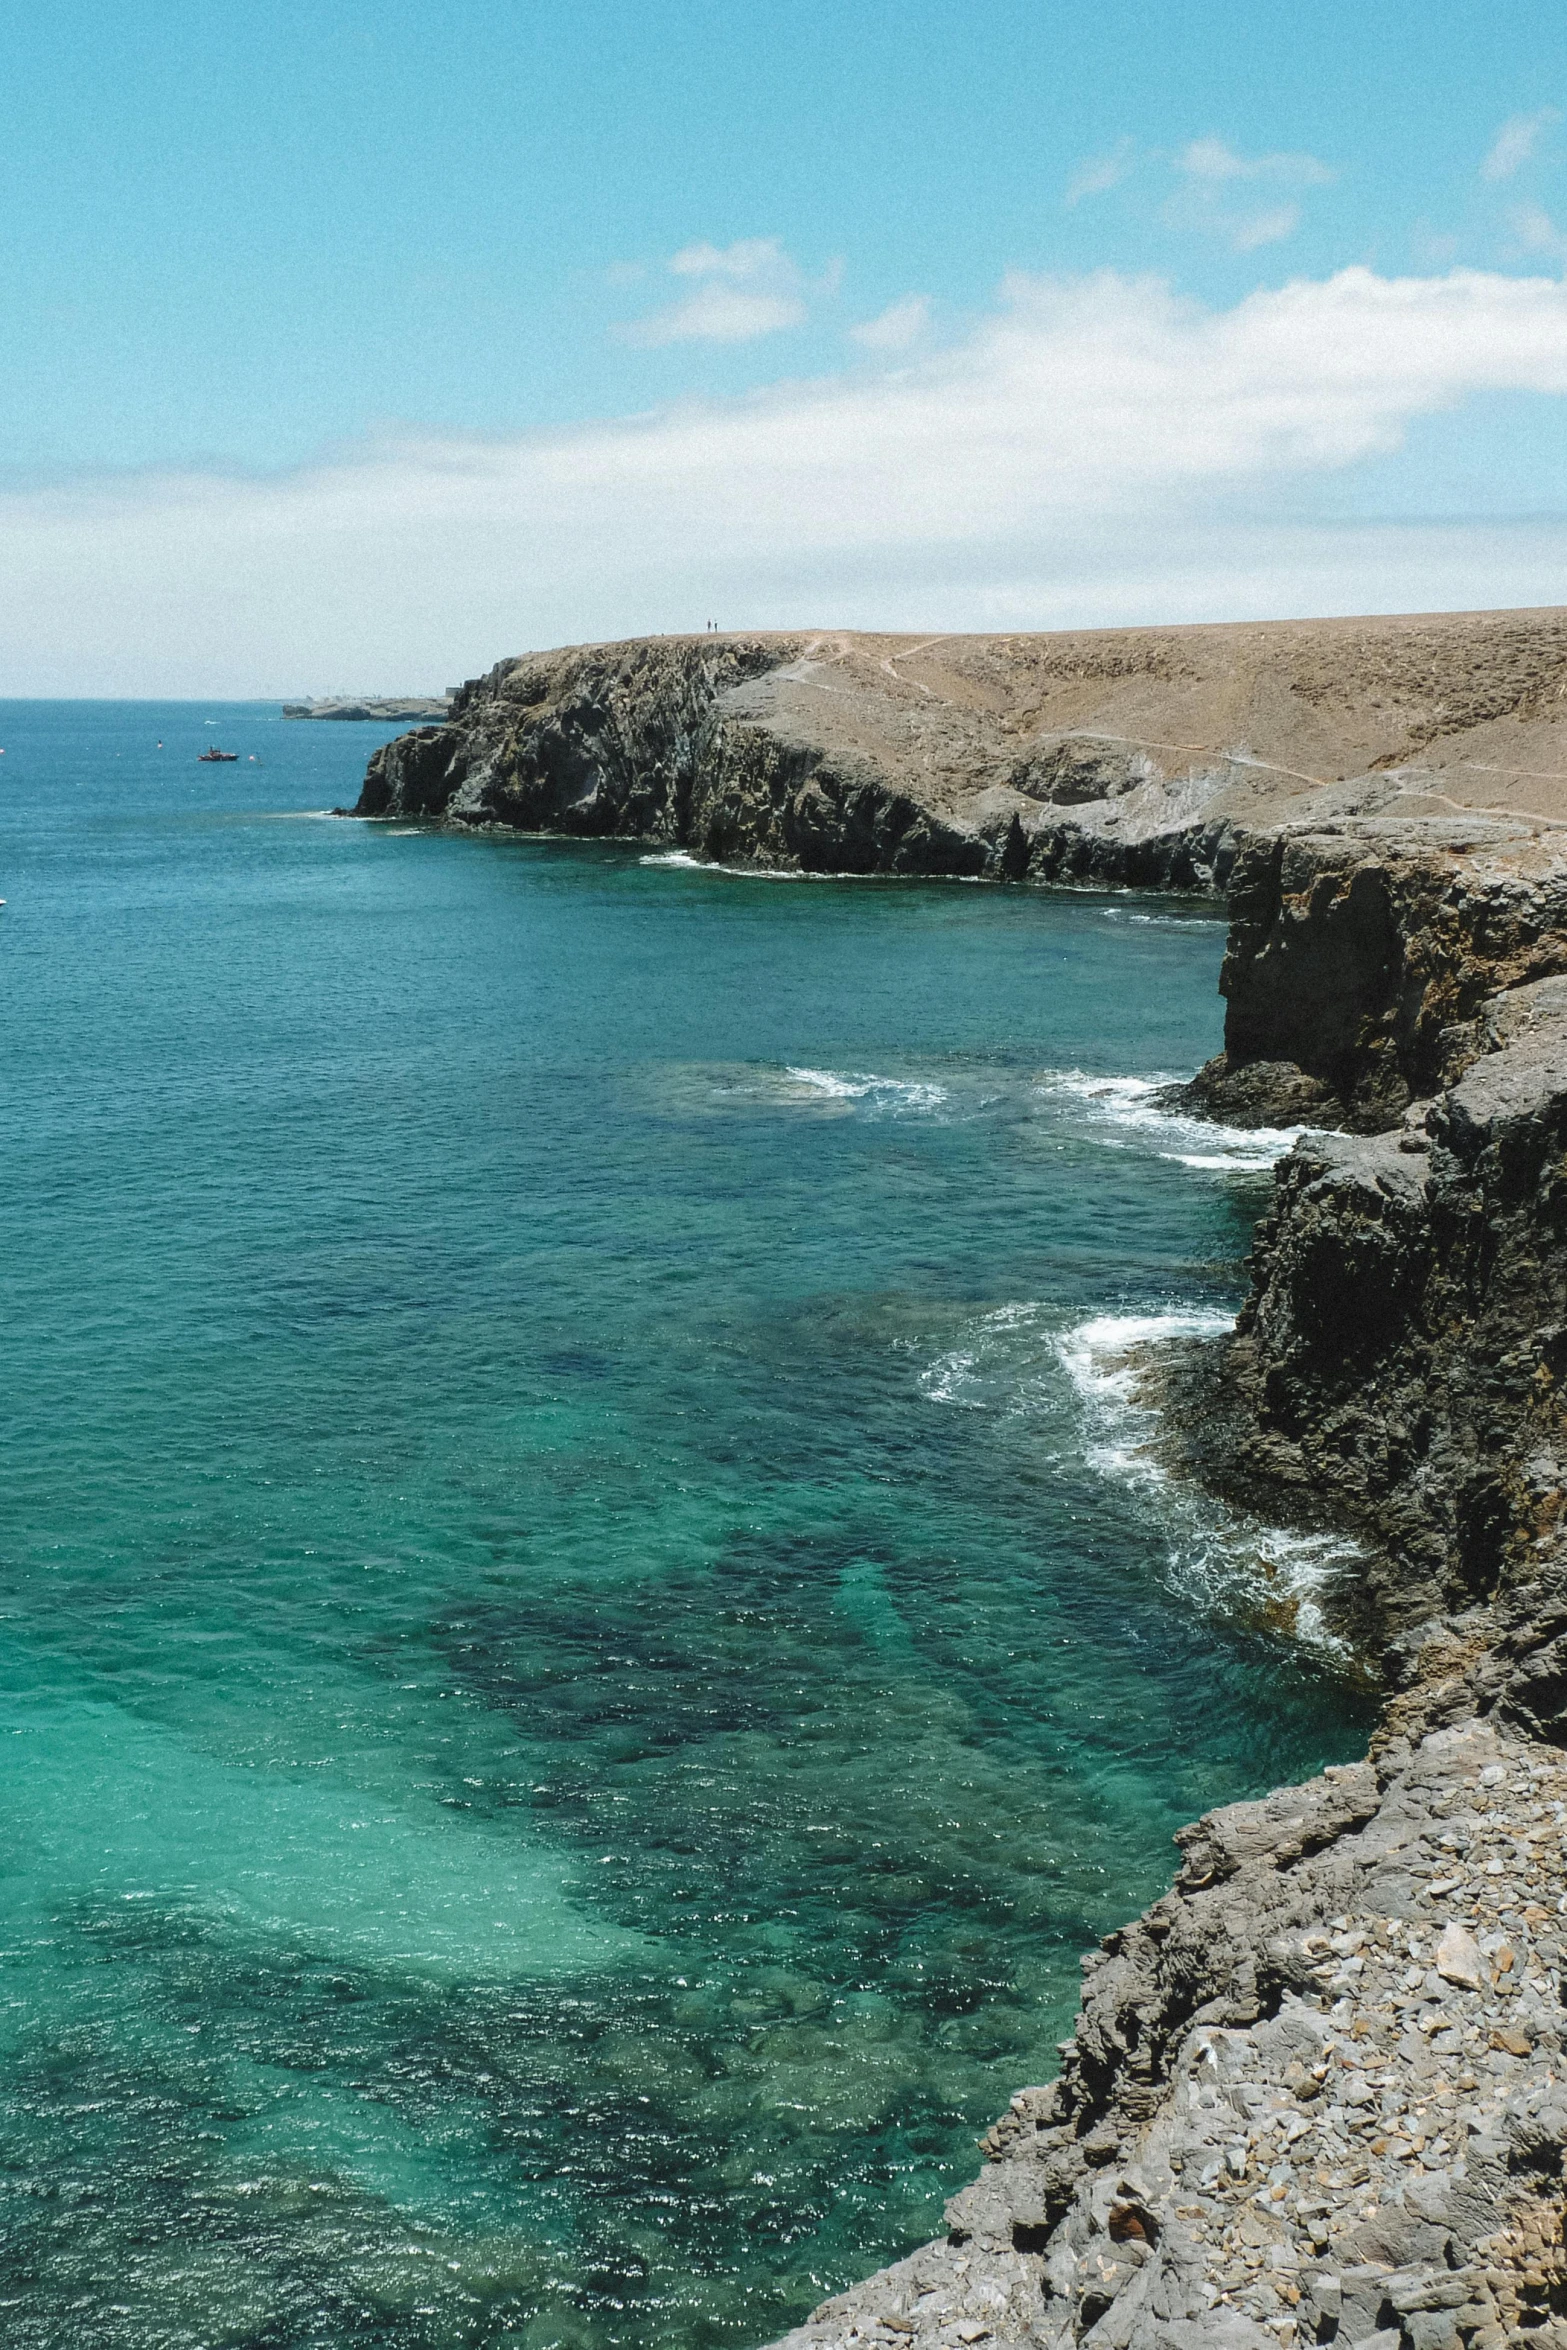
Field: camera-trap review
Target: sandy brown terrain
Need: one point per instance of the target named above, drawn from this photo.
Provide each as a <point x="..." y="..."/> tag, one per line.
<point x="1424" y="713"/>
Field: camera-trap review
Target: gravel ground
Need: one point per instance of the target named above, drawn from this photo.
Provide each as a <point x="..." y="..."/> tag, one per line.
<point x="1374" y="2156"/>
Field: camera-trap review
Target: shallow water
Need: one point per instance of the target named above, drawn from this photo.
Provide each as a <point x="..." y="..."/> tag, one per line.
<point x="587" y="1634"/>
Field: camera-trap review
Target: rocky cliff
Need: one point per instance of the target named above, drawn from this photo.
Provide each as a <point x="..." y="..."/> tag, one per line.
<point x="1121" y="755"/>
<point x="1398" y="1365"/>
<point x="1316" y="2093"/>
<point x="1378" y="798"/>
<point x="733" y="749"/>
<point x="1361" y="956"/>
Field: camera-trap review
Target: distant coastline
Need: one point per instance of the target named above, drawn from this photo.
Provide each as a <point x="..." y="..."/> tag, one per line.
<point x="432" y="709"/>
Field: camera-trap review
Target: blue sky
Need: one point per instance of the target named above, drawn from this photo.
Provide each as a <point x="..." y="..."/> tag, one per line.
<point x="344" y="346"/>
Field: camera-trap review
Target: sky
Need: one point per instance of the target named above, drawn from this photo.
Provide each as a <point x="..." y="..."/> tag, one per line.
<point x="356" y="348"/>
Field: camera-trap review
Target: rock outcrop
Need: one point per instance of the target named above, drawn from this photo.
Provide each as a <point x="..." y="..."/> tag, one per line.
<point x="1398" y="1365"/>
<point x="1314" y="2095"/>
<point x="1122" y="756"/>
<point x="735" y="751"/>
<point x="1361" y="956"/>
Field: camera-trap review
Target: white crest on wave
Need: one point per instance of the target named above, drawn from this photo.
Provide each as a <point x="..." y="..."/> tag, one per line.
<point x="1133" y="1106"/>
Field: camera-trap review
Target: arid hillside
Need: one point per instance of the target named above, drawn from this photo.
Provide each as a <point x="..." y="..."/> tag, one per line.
<point x="1137" y="731"/>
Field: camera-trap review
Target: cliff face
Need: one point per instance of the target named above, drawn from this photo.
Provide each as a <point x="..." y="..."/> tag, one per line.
<point x="1360" y="959"/>
<point x="1141" y="756"/>
<point x="1398" y="1366"/>
<point x="734" y="750"/>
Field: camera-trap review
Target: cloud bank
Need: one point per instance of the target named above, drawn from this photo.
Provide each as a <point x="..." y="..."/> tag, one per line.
<point x="1095" y="450"/>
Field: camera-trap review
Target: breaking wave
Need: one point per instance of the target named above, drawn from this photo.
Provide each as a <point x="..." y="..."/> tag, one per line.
<point x="991" y="1370"/>
<point x="1222" y="1560"/>
<point x="682" y="861"/>
<point x="898" y="1093"/>
<point x="1131" y="1108"/>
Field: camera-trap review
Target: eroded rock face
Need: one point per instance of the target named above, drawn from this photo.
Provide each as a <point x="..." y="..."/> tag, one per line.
<point x="1360" y="959"/>
<point x="1114" y="756"/>
<point x="1398" y="1365"/>
<point x="757" y="750"/>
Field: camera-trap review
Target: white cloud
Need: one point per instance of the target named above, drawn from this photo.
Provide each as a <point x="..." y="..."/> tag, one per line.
<point x="1100" y="173"/>
<point x="1095" y="449"/>
<point x="742" y="291"/>
<point x="1247" y="200"/>
<point x="719" y="314"/>
<point x="1211" y="159"/>
<point x="899" y="325"/>
<point x="1537" y="232"/>
<point x="1515" y="142"/>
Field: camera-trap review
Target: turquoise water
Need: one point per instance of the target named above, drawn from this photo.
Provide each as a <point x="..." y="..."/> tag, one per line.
<point x="586" y="1643"/>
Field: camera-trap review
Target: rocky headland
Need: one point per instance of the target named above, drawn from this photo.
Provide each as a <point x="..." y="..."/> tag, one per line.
<point x="1316" y="2093"/>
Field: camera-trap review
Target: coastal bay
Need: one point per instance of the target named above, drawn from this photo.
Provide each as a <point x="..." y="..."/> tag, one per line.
<point x="586" y="1649"/>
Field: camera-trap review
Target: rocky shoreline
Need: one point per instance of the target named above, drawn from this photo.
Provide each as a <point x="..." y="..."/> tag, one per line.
<point x="1315" y="2094"/>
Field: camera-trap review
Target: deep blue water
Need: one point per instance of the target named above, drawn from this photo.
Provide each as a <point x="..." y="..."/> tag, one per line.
<point x="585" y="1641"/>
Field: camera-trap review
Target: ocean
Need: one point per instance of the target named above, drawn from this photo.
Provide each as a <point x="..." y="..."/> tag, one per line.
<point x="589" y="1632"/>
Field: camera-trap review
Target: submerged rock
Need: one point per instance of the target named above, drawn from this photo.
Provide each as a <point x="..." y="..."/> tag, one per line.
<point x="1283" y="2118"/>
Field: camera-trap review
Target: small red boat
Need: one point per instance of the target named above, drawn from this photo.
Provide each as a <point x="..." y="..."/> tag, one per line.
<point x="215" y="756"/>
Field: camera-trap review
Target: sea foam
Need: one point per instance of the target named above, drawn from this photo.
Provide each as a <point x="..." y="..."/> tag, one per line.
<point x="1131" y="1109"/>
<point x="1222" y="1560"/>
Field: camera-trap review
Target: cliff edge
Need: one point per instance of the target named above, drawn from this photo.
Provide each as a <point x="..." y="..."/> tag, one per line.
<point x="1317" y="2093"/>
<point x="1115" y="754"/>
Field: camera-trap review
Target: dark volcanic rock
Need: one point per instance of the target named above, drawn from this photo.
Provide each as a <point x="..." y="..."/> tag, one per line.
<point x="1398" y="1365"/>
<point x="772" y="751"/>
<point x="1363" y="957"/>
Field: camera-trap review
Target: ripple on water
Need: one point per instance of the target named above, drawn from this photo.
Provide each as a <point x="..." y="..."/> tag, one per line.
<point x="579" y="1682"/>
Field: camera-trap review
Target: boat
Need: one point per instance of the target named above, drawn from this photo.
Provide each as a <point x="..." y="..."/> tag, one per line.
<point x="215" y="756"/>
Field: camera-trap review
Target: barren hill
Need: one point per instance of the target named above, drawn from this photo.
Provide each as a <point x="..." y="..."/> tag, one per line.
<point x="755" y="745"/>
